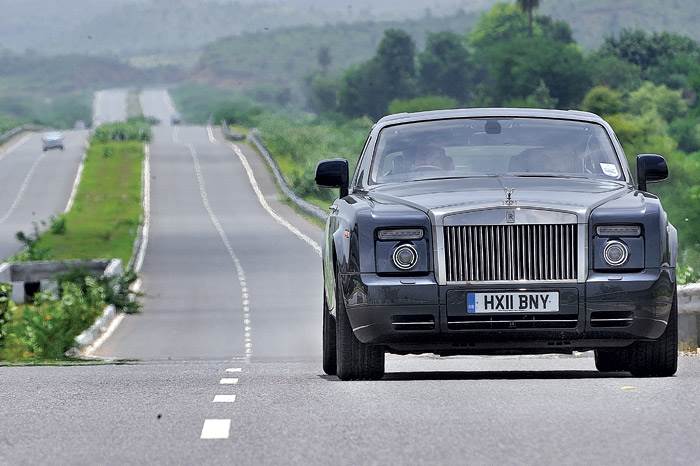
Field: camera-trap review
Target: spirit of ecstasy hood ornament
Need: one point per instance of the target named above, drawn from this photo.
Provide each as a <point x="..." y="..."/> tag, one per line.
<point x="509" y="196"/>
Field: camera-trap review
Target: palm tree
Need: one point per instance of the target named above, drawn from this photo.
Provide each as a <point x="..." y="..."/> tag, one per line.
<point x="528" y="6"/>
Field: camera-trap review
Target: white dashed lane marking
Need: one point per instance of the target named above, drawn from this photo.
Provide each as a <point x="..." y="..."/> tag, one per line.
<point x="216" y="429"/>
<point x="233" y="369"/>
<point x="245" y="299"/>
<point x="228" y="381"/>
<point x="224" y="398"/>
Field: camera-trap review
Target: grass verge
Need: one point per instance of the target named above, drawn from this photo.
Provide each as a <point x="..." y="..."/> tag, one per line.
<point x="105" y="217"/>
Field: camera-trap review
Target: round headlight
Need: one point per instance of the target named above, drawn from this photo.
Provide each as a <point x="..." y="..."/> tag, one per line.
<point x="615" y="253"/>
<point x="405" y="257"/>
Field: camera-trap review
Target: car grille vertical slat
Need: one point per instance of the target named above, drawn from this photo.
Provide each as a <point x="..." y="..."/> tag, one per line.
<point x="492" y="253"/>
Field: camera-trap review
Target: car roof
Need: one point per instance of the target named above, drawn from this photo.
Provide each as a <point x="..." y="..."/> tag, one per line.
<point x="576" y="115"/>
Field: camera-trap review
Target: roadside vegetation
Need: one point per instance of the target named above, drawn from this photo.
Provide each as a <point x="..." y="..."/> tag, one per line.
<point x="105" y="217"/>
<point x="645" y="84"/>
<point x="102" y="223"/>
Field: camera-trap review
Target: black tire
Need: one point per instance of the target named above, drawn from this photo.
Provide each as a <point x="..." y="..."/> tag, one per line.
<point x="355" y="360"/>
<point x="658" y="358"/>
<point x="329" y="350"/>
<point x="611" y="360"/>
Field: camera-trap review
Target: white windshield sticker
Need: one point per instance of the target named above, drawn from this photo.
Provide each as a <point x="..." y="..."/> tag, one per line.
<point x="609" y="169"/>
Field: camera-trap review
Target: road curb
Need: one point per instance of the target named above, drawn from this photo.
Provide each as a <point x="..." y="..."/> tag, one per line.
<point x="305" y="206"/>
<point x="92" y="338"/>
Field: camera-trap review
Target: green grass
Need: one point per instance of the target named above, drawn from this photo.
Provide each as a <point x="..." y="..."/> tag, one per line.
<point x="105" y="217"/>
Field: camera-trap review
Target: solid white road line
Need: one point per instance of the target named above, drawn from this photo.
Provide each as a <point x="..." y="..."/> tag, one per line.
<point x="228" y="381"/>
<point x="224" y="398"/>
<point x="76" y="181"/>
<point x="145" y="229"/>
<point x="266" y="206"/>
<point x="23" y="188"/>
<point x="87" y="352"/>
<point x="138" y="263"/>
<point x="216" y="429"/>
<point x="14" y="146"/>
<point x="233" y="369"/>
<point x="210" y="133"/>
<point x="248" y="342"/>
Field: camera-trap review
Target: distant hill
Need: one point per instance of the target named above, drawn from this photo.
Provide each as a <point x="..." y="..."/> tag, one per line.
<point x="138" y="27"/>
<point x="129" y="27"/>
<point x="284" y="57"/>
<point x="593" y="20"/>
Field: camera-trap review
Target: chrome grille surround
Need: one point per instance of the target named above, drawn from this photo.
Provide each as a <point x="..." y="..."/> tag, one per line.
<point x="527" y="217"/>
<point x="496" y="253"/>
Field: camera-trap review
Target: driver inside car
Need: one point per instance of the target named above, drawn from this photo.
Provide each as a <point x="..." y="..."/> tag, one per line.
<point x="431" y="157"/>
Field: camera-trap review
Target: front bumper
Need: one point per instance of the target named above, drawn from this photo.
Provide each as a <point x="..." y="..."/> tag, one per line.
<point x="410" y="315"/>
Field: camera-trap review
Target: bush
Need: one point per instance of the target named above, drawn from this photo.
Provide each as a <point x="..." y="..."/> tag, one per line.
<point x="5" y="309"/>
<point x="50" y="326"/>
<point x="134" y="129"/>
<point x="58" y="225"/>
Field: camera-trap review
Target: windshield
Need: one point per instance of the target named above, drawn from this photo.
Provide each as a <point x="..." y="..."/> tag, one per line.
<point x="488" y="147"/>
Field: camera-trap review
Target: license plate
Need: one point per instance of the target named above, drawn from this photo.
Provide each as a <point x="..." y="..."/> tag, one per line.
<point x="478" y="303"/>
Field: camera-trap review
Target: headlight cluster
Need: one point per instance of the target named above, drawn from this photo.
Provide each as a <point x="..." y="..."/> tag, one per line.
<point x="619" y="246"/>
<point x="401" y="250"/>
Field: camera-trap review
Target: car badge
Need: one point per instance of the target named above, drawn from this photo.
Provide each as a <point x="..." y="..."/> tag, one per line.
<point x="510" y="216"/>
<point x="509" y="196"/>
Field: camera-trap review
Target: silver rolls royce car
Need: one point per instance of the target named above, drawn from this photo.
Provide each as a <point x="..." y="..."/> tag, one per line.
<point x="497" y="231"/>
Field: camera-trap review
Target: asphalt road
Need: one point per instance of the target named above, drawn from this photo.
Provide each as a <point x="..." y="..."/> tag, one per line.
<point x="34" y="185"/>
<point x="232" y="308"/>
<point x="109" y="106"/>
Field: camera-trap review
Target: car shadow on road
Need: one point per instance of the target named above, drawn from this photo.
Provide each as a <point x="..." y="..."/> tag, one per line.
<point x="494" y="375"/>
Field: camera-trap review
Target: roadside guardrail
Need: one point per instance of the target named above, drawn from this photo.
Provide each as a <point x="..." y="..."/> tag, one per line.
<point x="303" y="205"/>
<point x="7" y="135"/>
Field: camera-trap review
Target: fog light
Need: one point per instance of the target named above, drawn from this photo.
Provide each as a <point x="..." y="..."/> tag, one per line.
<point x="405" y="257"/>
<point x="615" y="253"/>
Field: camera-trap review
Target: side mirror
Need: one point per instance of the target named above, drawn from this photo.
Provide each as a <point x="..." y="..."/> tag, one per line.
<point x="333" y="173"/>
<point x="650" y="168"/>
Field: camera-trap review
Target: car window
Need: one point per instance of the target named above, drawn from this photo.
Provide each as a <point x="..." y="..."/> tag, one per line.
<point x="483" y="147"/>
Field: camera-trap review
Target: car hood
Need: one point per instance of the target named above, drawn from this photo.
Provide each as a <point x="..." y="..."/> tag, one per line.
<point x="446" y="196"/>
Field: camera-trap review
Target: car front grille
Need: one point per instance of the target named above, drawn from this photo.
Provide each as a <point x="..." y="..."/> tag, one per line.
<point x="492" y="253"/>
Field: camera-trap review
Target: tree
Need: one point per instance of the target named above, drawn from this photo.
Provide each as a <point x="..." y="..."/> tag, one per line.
<point x="367" y="89"/>
<point x="515" y="68"/>
<point x="443" y="67"/>
<point x="660" y="99"/>
<point x="323" y="94"/>
<point x="324" y="58"/>
<point x="528" y="7"/>
<point x="603" y="101"/>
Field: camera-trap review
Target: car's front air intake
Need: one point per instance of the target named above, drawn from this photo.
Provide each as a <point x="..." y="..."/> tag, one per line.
<point x="484" y="253"/>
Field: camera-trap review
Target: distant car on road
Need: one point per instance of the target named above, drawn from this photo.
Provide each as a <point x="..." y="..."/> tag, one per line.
<point x="498" y="231"/>
<point x="175" y="119"/>
<point x="52" y="140"/>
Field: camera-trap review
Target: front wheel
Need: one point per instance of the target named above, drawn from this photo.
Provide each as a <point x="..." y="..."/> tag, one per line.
<point x="355" y="360"/>
<point x="658" y="358"/>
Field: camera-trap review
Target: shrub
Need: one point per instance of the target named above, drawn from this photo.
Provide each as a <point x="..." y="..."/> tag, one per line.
<point x="58" y="225"/>
<point x="51" y="325"/>
<point x="5" y="309"/>
<point x="134" y="129"/>
<point x="31" y="251"/>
